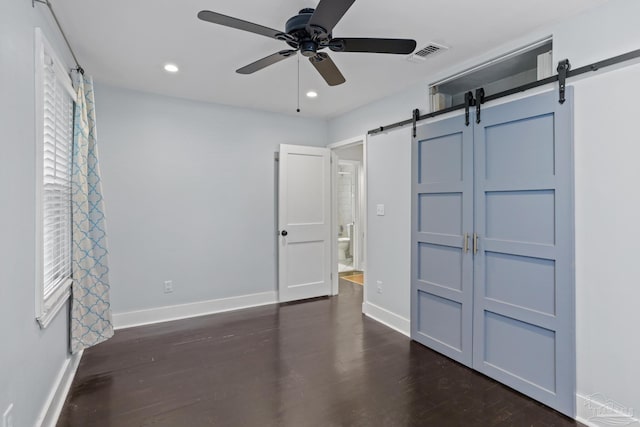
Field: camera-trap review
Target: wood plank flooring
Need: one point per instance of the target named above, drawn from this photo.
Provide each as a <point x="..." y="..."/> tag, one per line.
<point x="353" y="277"/>
<point x="315" y="363"/>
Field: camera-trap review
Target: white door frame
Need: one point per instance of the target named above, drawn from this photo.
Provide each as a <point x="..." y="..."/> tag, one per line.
<point x="362" y="139"/>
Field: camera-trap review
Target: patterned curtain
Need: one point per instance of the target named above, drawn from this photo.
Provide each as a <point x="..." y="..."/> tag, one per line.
<point x="90" y="307"/>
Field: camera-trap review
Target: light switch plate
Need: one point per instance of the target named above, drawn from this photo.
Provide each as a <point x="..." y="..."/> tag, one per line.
<point x="380" y="210"/>
<point x="168" y="286"/>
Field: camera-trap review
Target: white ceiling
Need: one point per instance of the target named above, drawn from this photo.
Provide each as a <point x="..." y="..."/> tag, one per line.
<point x="125" y="43"/>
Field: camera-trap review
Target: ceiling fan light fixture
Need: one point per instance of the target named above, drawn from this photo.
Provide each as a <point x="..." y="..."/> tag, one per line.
<point x="312" y="94"/>
<point x="171" y="68"/>
<point x="308" y="48"/>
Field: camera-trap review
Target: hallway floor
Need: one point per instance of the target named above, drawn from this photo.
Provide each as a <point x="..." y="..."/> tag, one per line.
<point x="314" y="363"/>
<point x="354" y="276"/>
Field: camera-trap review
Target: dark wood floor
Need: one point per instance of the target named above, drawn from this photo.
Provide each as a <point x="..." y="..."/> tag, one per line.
<point x="317" y="363"/>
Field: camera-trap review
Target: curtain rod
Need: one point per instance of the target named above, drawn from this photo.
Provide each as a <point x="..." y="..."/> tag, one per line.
<point x="64" y="36"/>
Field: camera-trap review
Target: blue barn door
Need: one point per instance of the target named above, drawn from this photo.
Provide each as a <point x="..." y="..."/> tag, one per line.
<point x="442" y="223"/>
<point x="501" y="301"/>
<point x="523" y="269"/>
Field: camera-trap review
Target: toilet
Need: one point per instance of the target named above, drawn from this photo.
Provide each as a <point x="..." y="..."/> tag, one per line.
<point x="343" y="247"/>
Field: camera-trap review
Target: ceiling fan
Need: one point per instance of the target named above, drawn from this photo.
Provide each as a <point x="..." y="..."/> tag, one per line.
<point x="309" y="32"/>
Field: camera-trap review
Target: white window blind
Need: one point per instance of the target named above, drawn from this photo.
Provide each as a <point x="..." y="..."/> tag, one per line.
<point x="54" y="122"/>
<point x="56" y="190"/>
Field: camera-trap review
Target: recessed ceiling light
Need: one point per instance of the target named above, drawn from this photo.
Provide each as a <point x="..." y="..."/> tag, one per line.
<point x="171" y="68"/>
<point x="312" y="94"/>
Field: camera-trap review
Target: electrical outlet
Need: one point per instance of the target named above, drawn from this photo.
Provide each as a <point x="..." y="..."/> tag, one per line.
<point x="168" y="286"/>
<point x="380" y="210"/>
<point x="379" y="286"/>
<point x="7" y="417"/>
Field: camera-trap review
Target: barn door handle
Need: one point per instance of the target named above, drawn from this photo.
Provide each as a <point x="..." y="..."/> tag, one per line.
<point x="475" y="243"/>
<point x="284" y="233"/>
<point x="466" y="242"/>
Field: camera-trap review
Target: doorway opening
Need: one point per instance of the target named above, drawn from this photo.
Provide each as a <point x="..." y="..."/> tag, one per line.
<point x="349" y="213"/>
<point x="348" y="216"/>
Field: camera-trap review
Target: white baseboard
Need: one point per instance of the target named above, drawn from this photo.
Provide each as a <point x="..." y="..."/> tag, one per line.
<point x="597" y="410"/>
<point x="55" y="401"/>
<point x="194" y="309"/>
<point x="387" y="318"/>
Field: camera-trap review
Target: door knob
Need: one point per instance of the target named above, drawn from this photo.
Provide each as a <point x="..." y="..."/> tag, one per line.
<point x="284" y="233"/>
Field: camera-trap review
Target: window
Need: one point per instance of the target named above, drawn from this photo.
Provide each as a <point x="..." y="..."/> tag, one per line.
<point x="519" y="67"/>
<point x="54" y="141"/>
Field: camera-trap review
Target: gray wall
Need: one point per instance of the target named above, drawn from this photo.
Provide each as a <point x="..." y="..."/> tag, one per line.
<point x="190" y="196"/>
<point x="389" y="244"/>
<point x="606" y="144"/>
<point x="607" y="201"/>
<point x="30" y="358"/>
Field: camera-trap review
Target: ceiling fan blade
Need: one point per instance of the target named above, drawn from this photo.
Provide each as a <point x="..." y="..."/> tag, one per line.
<point x="327" y="69"/>
<point x="228" y="21"/>
<point x="328" y="13"/>
<point x="265" y="62"/>
<point x="400" y="46"/>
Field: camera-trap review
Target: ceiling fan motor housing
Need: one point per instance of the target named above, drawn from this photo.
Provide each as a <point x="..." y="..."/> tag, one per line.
<point x="298" y="23"/>
<point x="297" y="27"/>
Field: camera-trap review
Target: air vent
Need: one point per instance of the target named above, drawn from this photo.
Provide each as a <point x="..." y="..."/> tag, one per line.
<point x="429" y="50"/>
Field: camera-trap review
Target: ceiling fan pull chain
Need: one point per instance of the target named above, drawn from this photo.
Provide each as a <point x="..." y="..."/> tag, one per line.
<point x="298" y="109"/>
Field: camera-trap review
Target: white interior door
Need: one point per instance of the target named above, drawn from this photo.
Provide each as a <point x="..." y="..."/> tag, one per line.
<point x="304" y="218"/>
